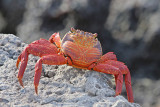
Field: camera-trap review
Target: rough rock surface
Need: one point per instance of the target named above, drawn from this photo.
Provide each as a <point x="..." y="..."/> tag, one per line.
<point x="129" y="28"/>
<point x="59" y="85"/>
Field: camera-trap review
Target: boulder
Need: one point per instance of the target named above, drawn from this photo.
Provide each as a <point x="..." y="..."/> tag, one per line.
<point x="59" y="85"/>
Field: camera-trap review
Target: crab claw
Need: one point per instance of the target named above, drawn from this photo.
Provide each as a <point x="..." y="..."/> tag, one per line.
<point x="55" y="38"/>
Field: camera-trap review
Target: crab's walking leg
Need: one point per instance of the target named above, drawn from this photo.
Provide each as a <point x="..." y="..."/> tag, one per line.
<point x="50" y="60"/>
<point x="109" y="56"/>
<point x="24" y="59"/>
<point x="115" y="76"/>
<point x="38" y="48"/>
<point x="129" y="87"/>
<point x="109" y="69"/>
<point x="123" y="70"/>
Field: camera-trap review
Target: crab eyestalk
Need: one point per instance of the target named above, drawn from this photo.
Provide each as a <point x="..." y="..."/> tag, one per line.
<point x="73" y="30"/>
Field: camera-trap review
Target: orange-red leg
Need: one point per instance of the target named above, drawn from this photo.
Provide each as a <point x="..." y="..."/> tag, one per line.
<point x="129" y="87"/>
<point x="39" y="48"/>
<point x="124" y="69"/>
<point x="23" y="57"/>
<point x="117" y="69"/>
<point x="105" y="57"/>
<point x="50" y="60"/>
<point x="109" y="69"/>
<point x="108" y="56"/>
<point x="115" y="76"/>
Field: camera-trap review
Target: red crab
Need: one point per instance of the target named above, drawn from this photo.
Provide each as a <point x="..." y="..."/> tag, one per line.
<point x="78" y="49"/>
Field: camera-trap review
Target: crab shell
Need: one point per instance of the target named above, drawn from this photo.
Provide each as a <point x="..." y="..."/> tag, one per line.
<point x="83" y="48"/>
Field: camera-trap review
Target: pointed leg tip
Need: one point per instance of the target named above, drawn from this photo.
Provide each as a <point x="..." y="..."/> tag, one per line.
<point x="131" y="101"/>
<point x="36" y="89"/>
<point x="20" y="82"/>
<point x="117" y="94"/>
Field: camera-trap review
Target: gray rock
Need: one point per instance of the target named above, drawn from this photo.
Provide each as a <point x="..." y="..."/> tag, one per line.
<point x="67" y="87"/>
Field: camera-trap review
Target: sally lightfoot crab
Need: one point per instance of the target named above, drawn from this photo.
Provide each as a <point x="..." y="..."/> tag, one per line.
<point x="78" y="49"/>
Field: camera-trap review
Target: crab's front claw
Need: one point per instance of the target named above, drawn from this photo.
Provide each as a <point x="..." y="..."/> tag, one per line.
<point x="55" y="38"/>
<point x="50" y="60"/>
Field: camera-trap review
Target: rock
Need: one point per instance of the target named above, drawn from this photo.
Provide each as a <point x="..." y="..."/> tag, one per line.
<point x="12" y="11"/>
<point x="67" y="87"/>
<point x="53" y="16"/>
<point x="131" y="29"/>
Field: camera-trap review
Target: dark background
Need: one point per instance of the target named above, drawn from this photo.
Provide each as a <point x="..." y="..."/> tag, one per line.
<point x="130" y="28"/>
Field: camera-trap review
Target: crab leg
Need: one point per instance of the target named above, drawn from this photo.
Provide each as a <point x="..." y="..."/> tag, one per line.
<point x="129" y="87"/>
<point x="109" y="56"/>
<point x="38" y="48"/>
<point x="124" y="69"/>
<point x="24" y="59"/>
<point x="118" y="68"/>
<point x="50" y="60"/>
<point x="109" y="69"/>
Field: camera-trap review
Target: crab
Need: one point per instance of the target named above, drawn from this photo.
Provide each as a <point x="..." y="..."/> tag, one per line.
<point x="78" y="49"/>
